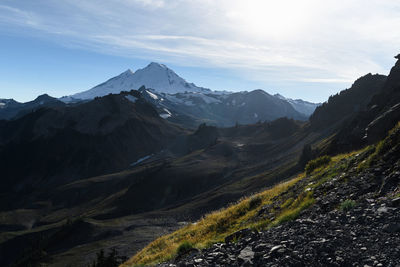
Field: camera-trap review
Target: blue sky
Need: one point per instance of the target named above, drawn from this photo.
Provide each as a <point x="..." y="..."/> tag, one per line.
<point x="305" y="49"/>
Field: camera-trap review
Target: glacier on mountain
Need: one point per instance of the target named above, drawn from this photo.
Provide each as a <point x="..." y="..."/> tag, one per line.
<point x="155" y="76"/>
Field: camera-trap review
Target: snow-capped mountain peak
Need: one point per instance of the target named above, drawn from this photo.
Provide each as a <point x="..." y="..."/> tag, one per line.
<point x="155" y="75"/>
<point x="127" y="72"/>
<point x="300" y="105"/>
<point x="157" y="65"/>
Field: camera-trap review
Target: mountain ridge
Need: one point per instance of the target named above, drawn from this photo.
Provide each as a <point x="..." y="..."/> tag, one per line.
<point x="9" y="108"/>
<point x="164" y="80"/>
<point x="171" y="93"/>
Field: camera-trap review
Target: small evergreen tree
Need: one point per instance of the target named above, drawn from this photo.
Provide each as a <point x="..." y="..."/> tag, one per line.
<point x="111" y="260"/>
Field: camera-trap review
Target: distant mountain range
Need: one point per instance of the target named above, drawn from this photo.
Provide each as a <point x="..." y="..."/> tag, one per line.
<point x="191" y="108"/>
<point x="11" y="109"/>
<point x="304" y="107"/>
<point x="178" y="100"/>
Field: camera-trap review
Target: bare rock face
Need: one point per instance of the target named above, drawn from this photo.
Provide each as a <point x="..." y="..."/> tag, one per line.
<point x="379" y="126"/>
<point x="378" y="99"/>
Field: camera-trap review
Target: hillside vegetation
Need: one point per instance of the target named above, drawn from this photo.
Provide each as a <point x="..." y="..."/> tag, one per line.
<point x="281" y="203"/>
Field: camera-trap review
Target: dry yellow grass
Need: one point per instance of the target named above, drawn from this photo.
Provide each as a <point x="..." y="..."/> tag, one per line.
<point x="217" y="225"/>
<point x="212" y="228"/>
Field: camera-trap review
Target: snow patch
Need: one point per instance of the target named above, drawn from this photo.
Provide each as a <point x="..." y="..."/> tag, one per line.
<point x="178" y="100"/>
<point x="168" y="112"/>
<point x="131" y="98"/>
<point x="68" y="99"/>
<point x="152" y="95"/>
<point x="189" y="103"/>
<point x="189" y="98"/>
<point x="141" y="160"/>
<point x="223" y="94"/>
<point x="166" y="115"/>
<point x="305" y="107"/>
<point x="255" y="115"/>
<point x="2" y="105"/>
<point x="206" y="98"/>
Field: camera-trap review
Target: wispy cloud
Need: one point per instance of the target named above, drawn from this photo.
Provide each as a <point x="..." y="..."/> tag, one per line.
<point x="15" y="16"/>
<point x="307" y="41"/>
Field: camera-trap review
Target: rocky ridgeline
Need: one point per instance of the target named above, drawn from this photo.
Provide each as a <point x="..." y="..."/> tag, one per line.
<point x="355" y="221"/>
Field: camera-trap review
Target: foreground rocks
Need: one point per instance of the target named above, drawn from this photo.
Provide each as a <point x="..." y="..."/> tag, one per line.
<point x="367" y="233"/>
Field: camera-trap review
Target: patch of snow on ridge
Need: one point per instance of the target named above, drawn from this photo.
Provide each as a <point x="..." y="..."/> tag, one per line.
<point x="141" y="160"/>
<point x="131" y="98"/>
<point x="173" y="99"/>
<point x="166" y="115"/>
<point x="305" y="107"/>
<point x="189" y="103"/>
<point x="208" y="99"/>
<point x="152" y="95"/>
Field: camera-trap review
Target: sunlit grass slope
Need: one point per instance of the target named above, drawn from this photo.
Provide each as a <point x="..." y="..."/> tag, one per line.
<point x="216" y="226"/>
<point x="284" y="202"/>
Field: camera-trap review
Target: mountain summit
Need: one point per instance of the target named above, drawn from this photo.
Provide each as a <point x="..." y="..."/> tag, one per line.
<point x="156" y="76"/>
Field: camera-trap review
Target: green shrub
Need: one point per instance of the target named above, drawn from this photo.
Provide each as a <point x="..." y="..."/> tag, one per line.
<point x="346" y="205"/>
<point x="293" y="210"/>
<point x="184" y="248"/>
<point x="111" y="260"/>
<point x="222" y="225"/>
<point x="316" y="163"/>
<point x="287" y="203"/>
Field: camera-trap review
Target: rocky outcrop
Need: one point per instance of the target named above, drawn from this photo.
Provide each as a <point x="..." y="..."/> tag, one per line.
<point x="380" y="113"/>
<point x="346" y="104"/>
<point x="379" y="126"/>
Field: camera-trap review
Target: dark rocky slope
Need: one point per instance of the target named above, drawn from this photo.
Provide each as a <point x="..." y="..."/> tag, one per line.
<point x="344" y="105"/>
<point x="375" y="99"/>
<point x="354" y="221"/>
<point x="54" y="146"/>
